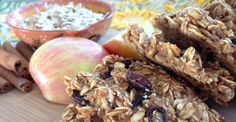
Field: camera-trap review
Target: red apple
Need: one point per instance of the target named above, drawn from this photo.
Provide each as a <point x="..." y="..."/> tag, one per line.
<point x="61" y="57"/>
<point x="118" y="46"/>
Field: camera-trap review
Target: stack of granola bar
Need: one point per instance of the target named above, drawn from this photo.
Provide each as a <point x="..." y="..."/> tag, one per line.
<point x="191" y="60"/>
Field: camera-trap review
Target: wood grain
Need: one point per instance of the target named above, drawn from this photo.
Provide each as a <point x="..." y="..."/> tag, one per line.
<point x="16" y="106"/>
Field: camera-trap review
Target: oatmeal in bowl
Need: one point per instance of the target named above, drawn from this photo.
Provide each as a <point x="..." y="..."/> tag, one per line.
<point x="68" y="17"/>
<point x="39" y="22"/>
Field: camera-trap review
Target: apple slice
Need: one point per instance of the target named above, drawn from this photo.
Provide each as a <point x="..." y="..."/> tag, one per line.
<point x="118" y="46"/>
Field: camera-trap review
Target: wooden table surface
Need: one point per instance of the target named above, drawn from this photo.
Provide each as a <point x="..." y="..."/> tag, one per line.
<point x="16" y="106"/>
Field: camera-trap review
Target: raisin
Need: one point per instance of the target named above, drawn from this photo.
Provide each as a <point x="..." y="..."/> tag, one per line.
<point x="79" y="99"/>
<point x="138" y="101"/>
<point x="156" y="114"/>
<point x="138" y="81"/>
<point x="107" y="73"/>
<point x="127" y="63"/>
<point x="233" y="40"/>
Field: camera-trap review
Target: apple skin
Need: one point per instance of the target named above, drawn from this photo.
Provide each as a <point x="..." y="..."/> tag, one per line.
<point x="65" y="56"/>
<point x="118" y="46"/>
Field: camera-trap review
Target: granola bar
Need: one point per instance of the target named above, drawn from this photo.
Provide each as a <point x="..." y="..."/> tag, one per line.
<point x="124" y="90"/>
<point x="231" y="3"/>
<point x="221" y="11"/>
<point x="193" y="26"/>
<point x="215" y="68"/>
<point x="188" y="65"/>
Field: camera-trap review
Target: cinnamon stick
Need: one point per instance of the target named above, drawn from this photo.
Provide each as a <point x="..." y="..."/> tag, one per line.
<point x="25" y="50"/>
<point x="5" y="85"/>
<point x="20" y="83"/>
<point x="13" y="63"/>
<point x="9" y="48"/>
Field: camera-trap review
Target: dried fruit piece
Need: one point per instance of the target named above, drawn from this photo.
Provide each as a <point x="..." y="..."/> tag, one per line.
<point x="233" y="40"/>
<point x="127" y="63"/>
<point x="79" y="99"/>
<point x="107" y="74"/>
<point x="138" y="81"/>
<point x="157" y="114"/>
<point x="138" y="101"/>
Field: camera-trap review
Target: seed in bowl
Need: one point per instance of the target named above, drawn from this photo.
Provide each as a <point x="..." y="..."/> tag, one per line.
<point x="67" y="17"/>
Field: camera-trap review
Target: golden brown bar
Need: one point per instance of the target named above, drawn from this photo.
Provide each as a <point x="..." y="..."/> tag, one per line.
<point x="187" y="64"/>
<point x="128" y="90"/>
<point x="194" y="27"/>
